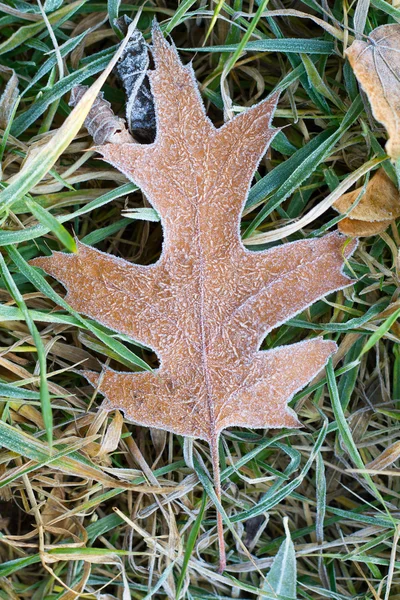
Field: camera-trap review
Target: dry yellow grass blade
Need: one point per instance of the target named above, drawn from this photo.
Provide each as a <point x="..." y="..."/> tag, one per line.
<point x="336" y="32"/>
<point x="387" y="458"/>
<point x="316" y="211"/>
<point x="31" y="448"/>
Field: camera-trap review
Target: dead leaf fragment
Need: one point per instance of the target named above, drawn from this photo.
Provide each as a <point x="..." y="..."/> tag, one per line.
<point x="358" y="228"/>
<point x="387" y="458"/>
<point x="376" y="64"/>
<point x="206" y="305"/>
<point x="113" y="435"/>
<point x="380" y="202"/>
<point x="101" y="122"/>
<point x="376" y="209"/>
<point x="132" y="70"/>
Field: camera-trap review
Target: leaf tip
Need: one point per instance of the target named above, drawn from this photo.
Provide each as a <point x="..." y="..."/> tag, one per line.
<point x="163" y="51"/>
<point x="40" y="261"/>
<point x="92" y="377"/>
<point x="290" y="419"/>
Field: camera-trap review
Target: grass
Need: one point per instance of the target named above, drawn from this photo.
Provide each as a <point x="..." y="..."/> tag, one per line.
<point x="91" y="504"/>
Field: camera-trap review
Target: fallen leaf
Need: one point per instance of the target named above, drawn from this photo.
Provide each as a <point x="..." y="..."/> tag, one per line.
<point x="380" y="202"/>
<point x="207" y="304"/>
<point x="358" y="228"/>
<point x="376" y="64"/>
<point x="377" y="208"/>
<point x="132" y="70"/>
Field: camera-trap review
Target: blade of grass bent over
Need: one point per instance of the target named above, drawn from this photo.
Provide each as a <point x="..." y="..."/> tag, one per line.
<point x="190" y="544"/>
<point x="380" y="332"/>
<point x="47" y="219"/>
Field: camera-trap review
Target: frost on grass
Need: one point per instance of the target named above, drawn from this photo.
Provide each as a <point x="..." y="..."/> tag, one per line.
<point x="208" y="302"/>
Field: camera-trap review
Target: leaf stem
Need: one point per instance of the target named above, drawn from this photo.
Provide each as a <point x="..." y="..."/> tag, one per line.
<point x="217" y="487"/>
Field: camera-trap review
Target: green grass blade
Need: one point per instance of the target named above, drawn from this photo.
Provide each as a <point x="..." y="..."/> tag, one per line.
<point x="286" y="45"/>
<point x="381" y="331"/>
<point x="10" y="391"/>
<point x="51" y="223"/>
<point x="191" y="540"/>
<point x="30" y="233"/>
<point x="345" y="431"/>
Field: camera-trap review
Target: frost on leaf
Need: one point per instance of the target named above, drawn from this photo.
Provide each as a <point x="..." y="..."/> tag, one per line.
<point x="376" y="64"/>
<point x="207" y="304"/>
<point x="132" y="70"/>
<point x="376" y="207"/>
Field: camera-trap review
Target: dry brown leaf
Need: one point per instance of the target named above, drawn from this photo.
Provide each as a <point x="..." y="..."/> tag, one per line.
<point x="380" y="202"/>
<point x="206" y="305"/>
<point x="376" y="64"/>
<point x="377" y="208"/>
<point x="54" y="507"/>
<point x="358" y="228"/>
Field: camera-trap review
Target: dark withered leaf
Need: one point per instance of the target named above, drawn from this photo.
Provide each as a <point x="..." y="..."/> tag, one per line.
<point x="101" y="122"/>
<point x="132" y="70"/>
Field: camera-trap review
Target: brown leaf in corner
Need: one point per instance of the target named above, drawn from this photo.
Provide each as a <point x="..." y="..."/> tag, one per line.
<point x="376" y="209"/>
<point x="358" y="228"/>
<point x="206" y="305"/>
<point x="376" y="64"/>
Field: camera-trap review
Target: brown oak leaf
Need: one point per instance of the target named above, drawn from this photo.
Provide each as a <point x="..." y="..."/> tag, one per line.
<point x="376" y="64"/>
<point x="377" y="208"/>
<point x="207" y="304"/>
